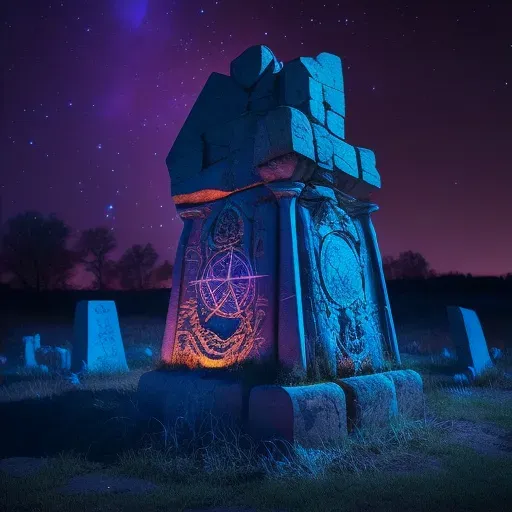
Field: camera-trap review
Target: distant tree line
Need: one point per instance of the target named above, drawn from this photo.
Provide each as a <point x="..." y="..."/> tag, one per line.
<point x="37" y="252"/>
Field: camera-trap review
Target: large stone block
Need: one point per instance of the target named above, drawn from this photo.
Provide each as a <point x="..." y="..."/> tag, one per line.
<point x="324" y="147"/>
<point x="250" y="66"/>
<point x="297" y="86"/>
<point x="220" y="101"/>
<point x="345" y="158"/>
<point x="264" y="96"/>
<point x="310" y="416"/>
<point x="97" y="342"/>
<point x="191" y="398"/>
<point x="334" y="100"/>
<point x="326" y="69"/>
<point x="335" y="124"/>
<point x="282" y="131"/>
<point x="409" y="393"/>
<point x="371" y="401"/>
<point x="469" y="340"/>
<point x="369" y="172"/>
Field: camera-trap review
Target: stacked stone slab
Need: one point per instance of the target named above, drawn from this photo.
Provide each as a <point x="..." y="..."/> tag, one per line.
<point x="278" y="261"/>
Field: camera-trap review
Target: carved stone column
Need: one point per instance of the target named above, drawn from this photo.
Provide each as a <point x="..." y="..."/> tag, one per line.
<point x="291" y="341"/>
<point x="376" y="262"/>
<point x="188" y="215"/>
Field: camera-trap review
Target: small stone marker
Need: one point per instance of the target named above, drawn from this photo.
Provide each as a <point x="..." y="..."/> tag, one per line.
<point x="469" y="339"/>
<point x="97" y="338"/>
<point x="30" y="351"/>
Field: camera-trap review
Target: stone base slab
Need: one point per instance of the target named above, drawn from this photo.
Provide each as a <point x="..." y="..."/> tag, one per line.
<point x="409" y="393"/>
<point x="310" y="416"/>
<point x="193" y="398"/>
<point x="371" y="401"/>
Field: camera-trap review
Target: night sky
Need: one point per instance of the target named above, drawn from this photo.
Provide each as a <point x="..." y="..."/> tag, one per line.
<point x="95" y="92"/>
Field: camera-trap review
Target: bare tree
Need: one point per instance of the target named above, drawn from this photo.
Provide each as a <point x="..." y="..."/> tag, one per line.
<point x="34" y="251"/>
<point x="162" y="273"/>
<point x="94" y="246"/>
<point x="136" y="265"/>
<point x="408" y="265"/>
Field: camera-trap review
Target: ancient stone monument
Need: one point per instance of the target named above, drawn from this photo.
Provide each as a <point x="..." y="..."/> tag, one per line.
<point x="278" y="262"/>
<point x="97" y="343"/>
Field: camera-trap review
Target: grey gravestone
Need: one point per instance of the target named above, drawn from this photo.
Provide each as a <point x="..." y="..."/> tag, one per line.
<point x="97" y="338"/>
<point x="469" y="339"/>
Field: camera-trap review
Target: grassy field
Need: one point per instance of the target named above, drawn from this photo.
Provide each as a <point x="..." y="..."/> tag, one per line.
<point x="458" y="458"/>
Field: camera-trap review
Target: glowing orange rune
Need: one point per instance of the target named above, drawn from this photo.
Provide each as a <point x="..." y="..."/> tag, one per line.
<point x="227" y="284"/>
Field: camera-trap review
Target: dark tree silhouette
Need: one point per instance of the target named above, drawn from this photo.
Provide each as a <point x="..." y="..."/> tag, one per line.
<point x="408" y="265"/>
<point x="136" y="265"/>
<point x="34" y="251"/>
<point x="94" y="246"/>
<point x="162" y="273"/>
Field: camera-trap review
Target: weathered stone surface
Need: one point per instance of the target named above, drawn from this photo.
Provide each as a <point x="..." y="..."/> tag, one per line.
<point x="345" y="159"/>
<point x="265" y="95"/>
<point x="334" y="100"/>
<point x="324" y="147"/>
<point x="310" y="416"/>
<point x="369" y="172"/>
<point x="98" y="483"/>
<point x="220" y="101"/>
<point x="409" y="393"/>
<point x="344" y="305"/>
<point x="336" y="124"/>
<point x="248" y="68"/>
<point x="301" y="91"/>
<point x="297" y="86"/>
<point x="469" y="340"/>
<point x="282" y="131"/>
<point x="224" y="308"/>
<point x="371" y="401"/>
<point x="97" y="338"/>
<point x="189" y="398"/>
<point x="326" y="69"/>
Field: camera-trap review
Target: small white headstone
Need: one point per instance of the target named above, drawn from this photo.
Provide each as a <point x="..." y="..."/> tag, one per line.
<point x="97" y="340"/>
<point x="469" y="340"/>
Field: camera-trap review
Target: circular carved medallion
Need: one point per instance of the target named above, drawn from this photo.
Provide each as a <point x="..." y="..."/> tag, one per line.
<point x="227" y="284"/>
<point x="340" y="270"/>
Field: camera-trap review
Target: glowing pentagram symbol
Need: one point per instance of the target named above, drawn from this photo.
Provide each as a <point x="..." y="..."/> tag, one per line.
<point x="227" y="284"/>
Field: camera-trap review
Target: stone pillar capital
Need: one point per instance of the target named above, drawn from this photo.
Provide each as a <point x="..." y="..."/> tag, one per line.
<point x="282" y="189"/>
<point x="193" y="212"/>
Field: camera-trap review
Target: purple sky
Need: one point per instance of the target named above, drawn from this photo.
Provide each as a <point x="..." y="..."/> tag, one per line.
<point x="96" y="91"/>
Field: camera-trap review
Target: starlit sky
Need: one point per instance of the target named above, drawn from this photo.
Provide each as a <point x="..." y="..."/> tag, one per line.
<point x="95" y="92"/>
